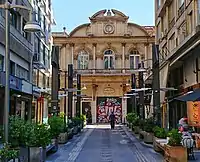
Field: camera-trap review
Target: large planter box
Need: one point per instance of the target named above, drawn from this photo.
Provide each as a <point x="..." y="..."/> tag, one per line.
<point x="141" y="134"/>
<point x="62" y="138"/>
<point x="75" y="130"/>
<point x="136" y="129"/>
<point x="148" y="137"/>
<point x="34" y="154"/>
<point x="175" y="154"/>
<point x="156" y="145"/>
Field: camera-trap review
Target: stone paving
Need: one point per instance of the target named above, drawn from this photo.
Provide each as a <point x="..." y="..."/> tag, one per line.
<point x="99" y="143"/>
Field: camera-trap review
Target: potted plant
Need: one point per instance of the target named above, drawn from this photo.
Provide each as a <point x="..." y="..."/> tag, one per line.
<point x="76" y="123"/>
<point x="63" y="136"/>
<point x="56" y="127"/>
<point x="6" y="153"/>
<point x="83" y="120"/>
<point x="148" y="128"/>
<point x="70" y="129"/>
<point x="136" y="125"/>
<point x="130" y="117"/>
<point x="37" y="142"/>
<point x="141" y="128"/>
<point x="159" y="134"/>
<point x="174" y="151"/>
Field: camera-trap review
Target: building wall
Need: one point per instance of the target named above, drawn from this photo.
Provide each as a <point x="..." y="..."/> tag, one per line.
<point x="122" y="38"/>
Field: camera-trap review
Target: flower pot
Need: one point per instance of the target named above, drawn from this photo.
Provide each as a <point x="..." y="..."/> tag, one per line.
<point x="136" y="129"/>
<point x="62" y="138"/>
<point x="175" y="153"/>
<point x="141" y="134"/>
<point x="148" y="137"/>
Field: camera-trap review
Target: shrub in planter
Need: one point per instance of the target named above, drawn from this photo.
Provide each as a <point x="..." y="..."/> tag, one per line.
<point x="148" y="128"/>
<point x="70" y="128"/>
<point x="174" y="151"/>
<point x="174" y="137"/>
<point x="76" y="123"/>
<point x="6" y="153"/>
<point x="136" y="124"/>
<point x="130" y="117"/>
<point x="83" y="119"/>
<point x="56" y="124"/>
<point x="141" y="124"/>
<point x="159" y="132"/>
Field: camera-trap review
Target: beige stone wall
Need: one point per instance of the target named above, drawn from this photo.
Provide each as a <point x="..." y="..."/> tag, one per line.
<point x="105" y="32"/>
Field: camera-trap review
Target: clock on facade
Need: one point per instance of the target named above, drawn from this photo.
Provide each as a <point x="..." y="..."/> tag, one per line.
<point x="109" y="28"/>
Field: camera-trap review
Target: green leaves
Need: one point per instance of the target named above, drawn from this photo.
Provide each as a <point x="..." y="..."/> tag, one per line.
<point x="7" y="153"/>
<point x="159" y="132"/>
<point x="174" y="137"/>
<point x="56" y="125"/>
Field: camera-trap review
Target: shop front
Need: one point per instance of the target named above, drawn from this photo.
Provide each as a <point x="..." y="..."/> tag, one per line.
<point x="20" y="97"/>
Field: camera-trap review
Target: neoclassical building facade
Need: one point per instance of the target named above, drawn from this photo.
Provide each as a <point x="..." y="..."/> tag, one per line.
<point x="105" y="52"/>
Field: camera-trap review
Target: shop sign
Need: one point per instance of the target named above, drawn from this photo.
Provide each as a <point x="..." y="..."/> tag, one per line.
<point x="193" y="112"/>
<point x="27" y="87"/>
<point x="109" y="90"/>
<point x="15" y="83"/>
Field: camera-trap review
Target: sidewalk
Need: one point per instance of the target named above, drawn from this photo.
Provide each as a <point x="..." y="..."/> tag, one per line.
<point x="136" y="137"/>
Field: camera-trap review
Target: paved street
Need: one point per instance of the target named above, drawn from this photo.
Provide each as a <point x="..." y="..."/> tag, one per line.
<point x="100" y="144"/>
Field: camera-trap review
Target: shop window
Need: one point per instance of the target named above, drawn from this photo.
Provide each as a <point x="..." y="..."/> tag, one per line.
<point x="1" y="62"/>
<point x="109" y="59"/>
<point x="83" y="60"/>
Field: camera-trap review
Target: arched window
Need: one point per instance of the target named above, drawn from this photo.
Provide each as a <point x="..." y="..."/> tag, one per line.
<point x="108" y="59"/>
<point x="83" y="60"/>
<point x="134" y="59"/>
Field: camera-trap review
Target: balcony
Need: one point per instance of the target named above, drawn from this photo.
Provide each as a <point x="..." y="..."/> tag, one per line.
<point x="100" y="72"/>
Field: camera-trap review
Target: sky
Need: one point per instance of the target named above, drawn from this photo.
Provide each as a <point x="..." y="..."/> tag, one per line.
<point x="72" y="13"/>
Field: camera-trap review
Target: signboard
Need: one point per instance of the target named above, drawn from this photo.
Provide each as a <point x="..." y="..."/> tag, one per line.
<point x="27" y="87"/>
<point x="193" y="112"/>
<point x="15" y="83"/>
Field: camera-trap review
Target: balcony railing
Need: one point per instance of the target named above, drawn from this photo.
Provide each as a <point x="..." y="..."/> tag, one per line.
<point x="121" y="71"/>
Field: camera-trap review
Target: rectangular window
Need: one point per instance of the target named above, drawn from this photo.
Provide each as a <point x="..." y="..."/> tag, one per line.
<point x="12" y="68"/>
<point x="1" y="62"/>
<point x="22" y="73"/>
<point x="83" y="61"/>
<point x="44" y="81"/>
<point x="13" y="18"/>
<point x="134" y="61"/>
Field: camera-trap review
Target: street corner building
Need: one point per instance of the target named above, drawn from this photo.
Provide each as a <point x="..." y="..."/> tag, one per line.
<point x="105" y="52"/>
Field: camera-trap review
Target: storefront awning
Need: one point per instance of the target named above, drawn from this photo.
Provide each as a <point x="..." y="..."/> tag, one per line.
<point x="191" y="96"/>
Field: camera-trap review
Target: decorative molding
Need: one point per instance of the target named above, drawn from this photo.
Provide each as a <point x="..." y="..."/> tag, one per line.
<point x="123" y="44"/>
<point x="146" y="44"/>
<point x="94" y="44"/>
<point x="71" y="44"/>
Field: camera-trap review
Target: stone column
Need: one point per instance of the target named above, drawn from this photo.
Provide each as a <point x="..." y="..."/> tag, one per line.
<point x="93" y="111"/>
<point x="124" y="110"/>
<point x="94" y="57"/>
<point x="123" y="56"/>
<point x="146" y="63"/>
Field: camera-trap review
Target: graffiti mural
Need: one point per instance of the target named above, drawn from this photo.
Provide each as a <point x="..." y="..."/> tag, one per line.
<point x="105" y="105"/>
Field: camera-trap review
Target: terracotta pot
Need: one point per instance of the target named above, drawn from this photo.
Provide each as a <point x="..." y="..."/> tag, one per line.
<point x="175" y="154"/>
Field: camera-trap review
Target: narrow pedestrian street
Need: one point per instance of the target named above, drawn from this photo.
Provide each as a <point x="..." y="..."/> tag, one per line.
<point x="99" y="143"/>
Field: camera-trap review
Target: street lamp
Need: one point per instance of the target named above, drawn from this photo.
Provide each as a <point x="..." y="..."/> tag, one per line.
<point x="29" y="27"/>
